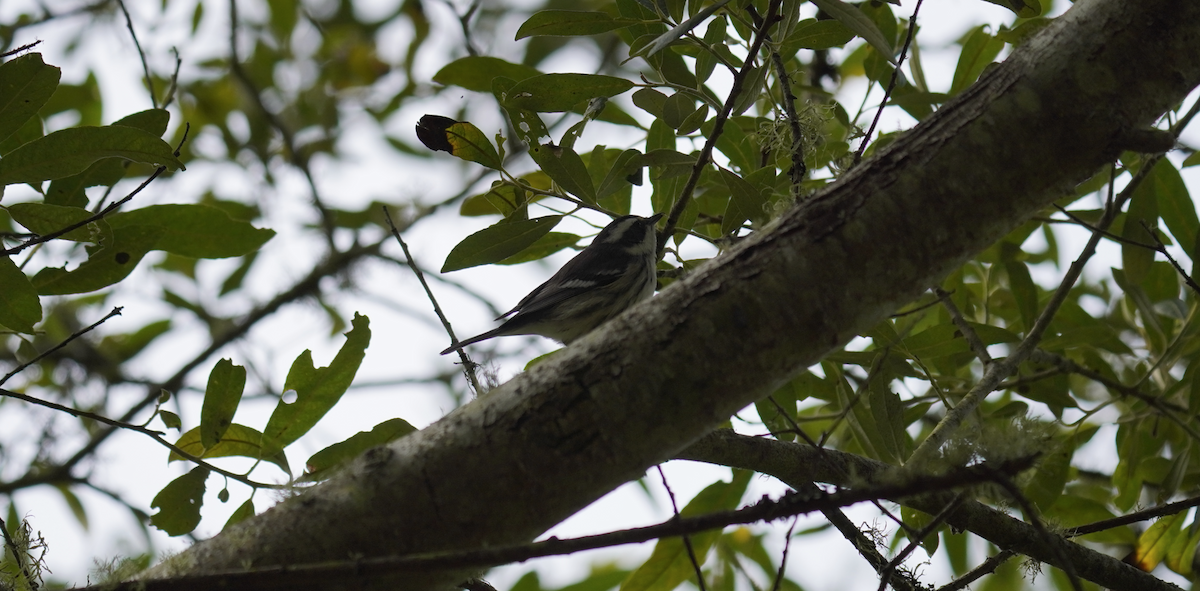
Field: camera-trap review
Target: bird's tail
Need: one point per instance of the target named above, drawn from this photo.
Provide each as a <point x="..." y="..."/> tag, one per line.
<point x="475" y="339"/>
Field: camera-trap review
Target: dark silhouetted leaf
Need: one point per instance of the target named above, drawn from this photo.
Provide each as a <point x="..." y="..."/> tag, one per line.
<point x="498" y="242"/>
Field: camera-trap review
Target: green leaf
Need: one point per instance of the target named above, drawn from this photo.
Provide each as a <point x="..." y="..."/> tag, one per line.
<point x="197" y="231"/>
<point x="1182" y="551"/>
<point x="32" y="130"/>
<point x="1020" y="283"/>
<point x="778" y="422"/>
<point x="226" y="382"/>
<point x="179" y="503"/>
<point x="105" y="265"/>
<point x="505" y="198"/>
<point x="26" y="83"/>
<point x="122" y="347"/>
<point x="476" y="73"/>
<point x="915" y="521"/>
<point x="1047" y="482"/>
<point x="1175" y="205"/>
<point x="74" y="504"/>
<point x="1023" y="8"/>
<point x="1153" y="544"/>
<point x="1024" y="31"/>
<point x="528" y="124"/>
<point x="746" y="202"/>
<point x="566" y="168"/>
<point x="170" y="419"/>
<point x="627" y="163"/>
<point x="321" y="463"/>
<point x="751" y="89"/>
<point x="676" y="108"/>
<point x="553" y="93"/>
<point x="1143" y="207"/>
<point x="245" y="510"/>
<point x="979" y="50"/>
<point x="43" y="219"/>
<point x="669" y="564"/>
<point x="237" y="441"/>
<point x="498" y="242"/>
<point x="861" y="24"/>
<point x="542" y="248"/>
<point x="570" y="23"/>
<point x="650" y="101"/>
<point x="106" y="172"/>
<point x="71" y="151"/>
<point x="317" y="389"/>
<point x="20" y="307"/>
<point x="814" y="34"/>
<point x="152" y="121"/>
<point x="662" y="41"/>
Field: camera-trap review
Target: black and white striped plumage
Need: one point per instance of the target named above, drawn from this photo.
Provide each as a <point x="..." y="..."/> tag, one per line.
<point x="614" y="272"/>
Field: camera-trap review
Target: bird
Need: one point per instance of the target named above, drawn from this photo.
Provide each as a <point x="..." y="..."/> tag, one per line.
<point x="614" y="272"/>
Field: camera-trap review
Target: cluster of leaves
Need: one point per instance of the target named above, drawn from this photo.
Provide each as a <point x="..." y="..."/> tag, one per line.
<point x="62" y="208"/>
<point x="1118" y="351"/>
<point x="721" y="164"/>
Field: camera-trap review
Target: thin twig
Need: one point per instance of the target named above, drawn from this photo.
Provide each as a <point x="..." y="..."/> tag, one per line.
<point x="787" y="544"/>
<point x="718" y="126"/>
<point x="985" y="568"/>
<point x="169" y="97"/>
<point x="294" y="153"/>
<point x="468" y="365"/>
<point x="967" y="331"/>
<point x="1135" y="517"/>
<point x="452" y="283"/>
<point x="1082" y="222"/>
<point x="799" y="169"/>
<point x="96" y="217"/>
<point x="141" y="54"/>
<point x="1162" y="248"/>
<point x="915" y="541"/>
<point x="1166" y="408"/>
<point x="912" y="28"/>
<point x="864" y="546"/>
<point x="20" y="368"/>
<point x="155" y="435"/>
<point x="20" y="49"/>
<point x="464" y="21"/>
<point x="924" y="306"/>
<point x="687" y="541"/>
<point x="1035" y="520"/>
<point x="997" y="372"/>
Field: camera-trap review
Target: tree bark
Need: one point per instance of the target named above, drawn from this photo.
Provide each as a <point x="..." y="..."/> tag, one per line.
<point x="508" y="466"/>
